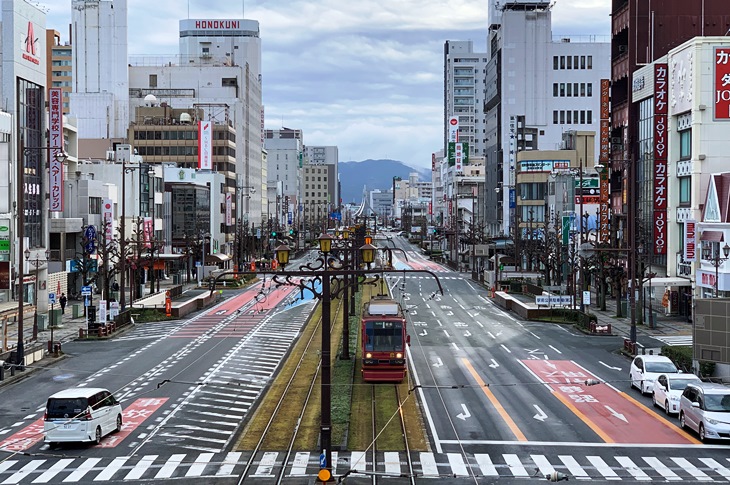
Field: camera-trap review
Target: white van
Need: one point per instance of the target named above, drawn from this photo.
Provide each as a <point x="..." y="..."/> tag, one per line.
<point x="81" y="414"/>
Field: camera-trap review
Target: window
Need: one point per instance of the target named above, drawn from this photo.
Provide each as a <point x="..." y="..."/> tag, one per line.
<point x="589" y="117"/>
<point x="685" y="190"/>
<point x="590" y="62"/>
<point x="94" y="205"/>
<point x="582" y="117"/>
<point x="570" y="62"/>
<point x="555" y="90"/>
<point x="555" y="63"/>
<point x="575" y="62"/>
<point x="685" y="144"/>
<point x="153" y="80"/>
<point x="562" y="117"/>
<point x="570" y="89"/>
<point x="582" y="62"/>
<point x="562" y="62"/>
<point x="555" y="117"/>
<point x="575" y="116"/>
<point x="582" y="89"/>
<point x="562" y="90"/>
<point x="569" y="117"/>
<point x="575" y="89"/>
<point x="589" y="89"/>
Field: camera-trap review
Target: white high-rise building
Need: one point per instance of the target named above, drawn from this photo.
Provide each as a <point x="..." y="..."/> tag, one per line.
<point x="464" y="91"/>
<point x="100" y="93"/>
<point x="537" y="87"/>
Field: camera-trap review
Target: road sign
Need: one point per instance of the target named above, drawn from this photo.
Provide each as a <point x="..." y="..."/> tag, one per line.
<point x="51" y="298"/>
<point x="322" y="460"/>
<point x="86" y="291"/>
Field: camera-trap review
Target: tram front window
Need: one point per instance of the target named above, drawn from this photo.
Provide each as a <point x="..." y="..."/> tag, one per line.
<point x="384" y="336"/>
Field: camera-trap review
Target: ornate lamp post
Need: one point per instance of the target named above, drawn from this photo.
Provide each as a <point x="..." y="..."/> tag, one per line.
<point x="36" y="264"/>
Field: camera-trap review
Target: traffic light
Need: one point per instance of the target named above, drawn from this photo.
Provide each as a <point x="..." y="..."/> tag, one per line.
<point x="291" y="232"/>
<point x="273" y="233"/>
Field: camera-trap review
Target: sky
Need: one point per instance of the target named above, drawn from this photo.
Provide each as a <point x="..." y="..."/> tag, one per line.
<point x="364" y="75"/>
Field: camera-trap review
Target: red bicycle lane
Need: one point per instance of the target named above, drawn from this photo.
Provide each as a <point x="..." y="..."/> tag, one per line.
<point x="612" y="414"/>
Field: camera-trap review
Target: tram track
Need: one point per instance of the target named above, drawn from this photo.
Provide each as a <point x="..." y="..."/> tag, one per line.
<point x="293" y="391"/>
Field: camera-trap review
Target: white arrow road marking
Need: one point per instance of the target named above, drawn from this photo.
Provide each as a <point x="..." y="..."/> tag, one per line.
<point x="465" y="414"/>
<point x="438" y="362"/>
<point x="618" y="415"/>
<point x="606" y="365"/>
<point x="540" y="416"/>
<point x="494" y="364"/>
<point x="551" y="365"/>
<point x="423" y="334"/>
<point x="449" y="313"/>
<point x="467" y="334"/>
<point x="505" y="348"/>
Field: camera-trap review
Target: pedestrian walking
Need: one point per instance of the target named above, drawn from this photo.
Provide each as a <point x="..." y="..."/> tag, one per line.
<point x="63" y="301"/>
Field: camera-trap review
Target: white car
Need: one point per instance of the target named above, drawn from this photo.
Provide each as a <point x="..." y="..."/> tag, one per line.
<point x="646" y="368"/>
<point x="668" y="389"/>
<point x="81" y="415"/>
<point x="705" y="408"/>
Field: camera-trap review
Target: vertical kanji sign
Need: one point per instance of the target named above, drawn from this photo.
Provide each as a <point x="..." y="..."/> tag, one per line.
<point x="661" y="95"/>
<point x="55" y="133"/>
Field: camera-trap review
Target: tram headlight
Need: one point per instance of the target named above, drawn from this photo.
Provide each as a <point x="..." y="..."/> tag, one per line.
<point x="368" y="355"/>
<point x="398" y="355"/>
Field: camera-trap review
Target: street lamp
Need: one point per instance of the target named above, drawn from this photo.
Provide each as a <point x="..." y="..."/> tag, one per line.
<point x="36" y="263"/>
<point x="717" y="261"/>
<point x="61" y="157"/>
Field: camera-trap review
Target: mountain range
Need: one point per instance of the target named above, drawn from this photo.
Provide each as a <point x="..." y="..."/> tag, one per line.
<point x="373" y="174"/>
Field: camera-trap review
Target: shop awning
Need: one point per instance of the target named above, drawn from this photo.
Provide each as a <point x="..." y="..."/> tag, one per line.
<point x="216" y="258"/>
<point x="669" y="281"/>
<point x="713" y="236"/>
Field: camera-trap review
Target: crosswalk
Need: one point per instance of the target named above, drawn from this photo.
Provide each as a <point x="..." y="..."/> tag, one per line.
<point x="606" y="465"/>
<point x="675" y="340"/>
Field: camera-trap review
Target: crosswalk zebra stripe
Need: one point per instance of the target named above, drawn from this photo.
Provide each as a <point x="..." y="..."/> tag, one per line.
<point x="428" y="465"/>
<point x="543" y="464"/>
<point x="170" y="465"/>
<point x="7" y="464"/>
<point x="719" y="469"/>
<point x="603" y="468"/>
<point x="661" y="468"/>
<point x="55" y="469"/>
<point x="632" y="468"/>
<point x="486" y="465"/>
<point x="458" y="467"/>
<point x="515" y="465"/>
<point x="141" y="467"/>
<point x="299" y="467"/>
<point x="690" y="468"/>
<point x="335" y="457"/>
<point x="266" y="465"/>
<point x="110" y="470"/>
<point x="392" y="462"/>
<point x="358" y="461"/>
<point x="85" y="468"/>
<point x="23" y="472"/>
<point x="229" y="463"/>
<point x="198" y="466"/>
<point x="573" y="467"/>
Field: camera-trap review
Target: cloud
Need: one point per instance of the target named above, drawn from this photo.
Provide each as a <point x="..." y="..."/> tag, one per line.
<point x="366" y="76"/>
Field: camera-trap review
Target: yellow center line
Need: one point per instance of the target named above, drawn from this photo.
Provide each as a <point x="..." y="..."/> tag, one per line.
<point x="651" y="413"/>
<point x="493" y="399"/>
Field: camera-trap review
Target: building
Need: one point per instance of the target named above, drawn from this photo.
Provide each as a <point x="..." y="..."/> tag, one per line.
<point x="218" y="71"/>
<point x="464" y="91"/>
<point x="285" y="155"/>
<point x="537" y="87"/>
<point x="329" y="156"/>
<point x="59" y="63"/>
<point x="100" y="94"/>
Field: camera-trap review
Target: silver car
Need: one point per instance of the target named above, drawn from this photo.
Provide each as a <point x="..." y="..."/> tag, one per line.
<point x="705" y="408"/>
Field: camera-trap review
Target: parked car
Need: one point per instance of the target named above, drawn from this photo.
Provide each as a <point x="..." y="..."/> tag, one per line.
<point x="646" y="368"/>
<point x="81" y="414"/>
<point x="705" y="408"/>
<point x="668" y="389"/>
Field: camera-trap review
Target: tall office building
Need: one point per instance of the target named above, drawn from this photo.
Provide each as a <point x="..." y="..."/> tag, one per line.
<point x="464" y="91"/>
<point x="327" y="156"/>
<point x="537" y="87"/>
<point x="100" y="95"/>
<point x="59" y="62"/>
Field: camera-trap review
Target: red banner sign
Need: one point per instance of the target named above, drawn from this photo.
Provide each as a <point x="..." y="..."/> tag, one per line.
<point x="605" y="88"/>
<point x="661" y="109"/>
<point x="605" y="223"/>
<point x="722" y="83"/>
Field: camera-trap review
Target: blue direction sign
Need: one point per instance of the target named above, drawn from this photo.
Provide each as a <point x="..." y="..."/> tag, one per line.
<point x="90" y="235"/>
<point x="323" y="460"/>
<point x="85" y="291"/>
<point x="52" y="298"/>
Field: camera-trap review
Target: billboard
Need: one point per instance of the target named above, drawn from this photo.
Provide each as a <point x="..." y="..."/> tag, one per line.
<point x="55" y="134"/>
<point x="229" y="206"/>
<point x="690" y="241"/>
<point x="721" y="92"/>
<point x="661" y="109"/>
<point x="107" y="216"/>
<point x="205" y="145"/>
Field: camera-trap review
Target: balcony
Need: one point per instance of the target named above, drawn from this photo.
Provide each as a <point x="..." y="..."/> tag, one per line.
<point x="620" y="19"/>
<point x="620" y="67"/>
